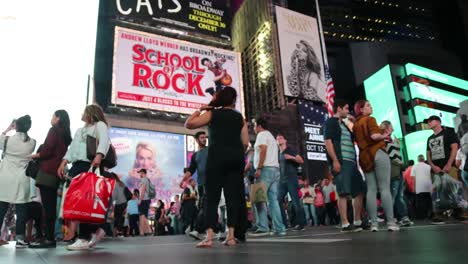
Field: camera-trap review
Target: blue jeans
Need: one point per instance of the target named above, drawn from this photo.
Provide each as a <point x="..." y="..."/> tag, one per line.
<point x="291" y="186"/>
<point x="270" y="176"/>
<point x="399" y="203"/>
<point x="309" y="210"/>
<point x="465" y="177"/>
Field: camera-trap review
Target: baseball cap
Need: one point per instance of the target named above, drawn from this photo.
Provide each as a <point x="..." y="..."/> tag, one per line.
<point x="142" y="170"/>
<point x="432" y="118"/>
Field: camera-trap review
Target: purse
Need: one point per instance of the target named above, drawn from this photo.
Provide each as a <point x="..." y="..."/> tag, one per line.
<point x="109" y="161"/>
<point x="32" y="169"/>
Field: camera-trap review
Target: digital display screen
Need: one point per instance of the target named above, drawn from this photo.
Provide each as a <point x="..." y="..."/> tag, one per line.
<point x="415" y="143"/>
<point x="380" y="92"/>
<point x="421" y="112"/>
<point x="435" y="76"/>
<point x="432" y="94"/>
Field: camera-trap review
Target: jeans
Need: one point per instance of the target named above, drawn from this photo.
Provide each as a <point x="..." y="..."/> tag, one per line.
<point x="465" y="177"/>
<point x="270" y="176"/>
<point x="399" y="203"/>
<point x="379" y="179"/>
<point x="291" y="186"/>
<point x="309" y="210"/>
<point x="133" y="222"/>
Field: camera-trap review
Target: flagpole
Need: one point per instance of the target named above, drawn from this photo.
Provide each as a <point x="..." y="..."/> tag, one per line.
<point x="322" y="38"/>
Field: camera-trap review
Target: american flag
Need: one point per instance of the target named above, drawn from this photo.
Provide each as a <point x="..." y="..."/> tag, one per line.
<point x="330" y="91"/>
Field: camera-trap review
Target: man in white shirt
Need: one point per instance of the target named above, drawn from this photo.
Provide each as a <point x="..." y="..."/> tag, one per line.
<point x="267" y="171"/>
<point x="421" y="175"/>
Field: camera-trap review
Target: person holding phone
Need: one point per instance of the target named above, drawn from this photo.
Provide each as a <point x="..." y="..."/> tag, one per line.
<point x="15" y="186"/>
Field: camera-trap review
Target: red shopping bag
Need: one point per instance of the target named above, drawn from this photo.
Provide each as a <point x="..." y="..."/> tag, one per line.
<point x="88" y="198"/>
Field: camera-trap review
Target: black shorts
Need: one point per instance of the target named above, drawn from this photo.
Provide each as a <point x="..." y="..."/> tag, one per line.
<point x="143" y="208"/>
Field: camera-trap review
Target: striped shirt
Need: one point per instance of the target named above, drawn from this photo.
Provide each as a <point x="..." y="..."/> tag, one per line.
<point x="347" y="147"/>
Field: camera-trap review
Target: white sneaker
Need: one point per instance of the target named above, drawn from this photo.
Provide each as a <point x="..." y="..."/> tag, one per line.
<point x="80" y="244"/>
<point x="195" y="235"/>
<point x="393" y="227"/>
<point x="374" y="228"/>
<point x="95" y="238"/>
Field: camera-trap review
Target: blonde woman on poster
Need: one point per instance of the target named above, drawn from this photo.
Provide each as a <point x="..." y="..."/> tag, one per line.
<point x="304" y="79"/>
<point x="145" y="158"/>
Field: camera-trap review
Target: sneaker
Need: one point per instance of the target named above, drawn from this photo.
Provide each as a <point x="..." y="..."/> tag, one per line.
<point x="195" y="235"/>
<point x="298" y="228"/>
<point x="283" y="233"/>
<point x="351" y="229"/>
<point x="393" y="227"/>
<point x="80" y="244"/>
<point x="374" y="228"/>
<point x="21" y="244"/>
<point x="43" y="244"/>
<point x="437" y="221"/>
<point x="259" y="233"/>
<point x="95" y="238"/>
<point x="406" y="222"/>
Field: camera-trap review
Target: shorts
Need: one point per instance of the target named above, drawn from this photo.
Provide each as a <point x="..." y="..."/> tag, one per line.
<point x="349" y="181"/>
<point x="143" y="208"/>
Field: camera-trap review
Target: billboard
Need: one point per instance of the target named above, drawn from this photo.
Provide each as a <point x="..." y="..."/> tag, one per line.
<point x="211" y="17"/>
<point x="312" y="116"/>
<point x="162" y="154"/>
<point x="435" y="76"/>
<point x="416" y="143"/>
<point x="301" y="56"/>
<point x="159" y="73"/>
<point x="432" y="94"/>
<point x="381" y="93"/>
<point x="421" y="112"/>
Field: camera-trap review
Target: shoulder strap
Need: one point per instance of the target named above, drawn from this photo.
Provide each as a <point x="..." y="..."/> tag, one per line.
<point x="5" y="146"/>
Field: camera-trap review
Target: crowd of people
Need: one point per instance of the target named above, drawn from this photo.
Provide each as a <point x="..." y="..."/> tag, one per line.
<point x="238" y="190"/>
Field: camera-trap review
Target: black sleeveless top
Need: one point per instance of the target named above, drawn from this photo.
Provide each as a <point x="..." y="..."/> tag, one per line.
<point x="225" y="135"/>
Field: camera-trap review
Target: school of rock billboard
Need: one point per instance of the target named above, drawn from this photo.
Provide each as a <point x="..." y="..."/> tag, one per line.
<point x="209" y="17"/>
<point x="165" y="74"/>
<point x="301" y="56"/>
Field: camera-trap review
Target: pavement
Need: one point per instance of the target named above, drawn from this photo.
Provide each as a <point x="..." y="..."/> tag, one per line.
<point x="422" y="243"/>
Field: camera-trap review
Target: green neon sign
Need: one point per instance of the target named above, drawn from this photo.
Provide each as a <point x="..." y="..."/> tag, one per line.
<point x="432" y="94"/>
<point x="380" y="92"/>
<point x="435" y="76"/>
<point x="415" y="143"/>
<point x="421" y="112"/>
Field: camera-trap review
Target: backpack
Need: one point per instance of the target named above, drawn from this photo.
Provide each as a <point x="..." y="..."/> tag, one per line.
<point x="151" y="190"/>
<point x="128" y="194"/>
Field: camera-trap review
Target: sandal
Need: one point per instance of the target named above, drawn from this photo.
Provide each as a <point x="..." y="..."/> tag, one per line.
<point x="230" y="242"/>
<point x="3" y="242"/>
<point x="207" y="243"/>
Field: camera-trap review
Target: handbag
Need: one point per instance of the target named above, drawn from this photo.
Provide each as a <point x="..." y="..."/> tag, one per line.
<point x="88" y="198"/>
<point x="32" y="169"/>
<point x="258" y="192"/>
<point x="109" y="161"/>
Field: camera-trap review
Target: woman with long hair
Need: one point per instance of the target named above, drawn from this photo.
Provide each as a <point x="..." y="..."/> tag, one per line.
<point x="50" y="155"/>
<point x="304" y="79"/>
<point x="229" y="139"/>
<point x="15" y="186"/>
<point x="375" y="163"/>
<point x="95" y="126"/>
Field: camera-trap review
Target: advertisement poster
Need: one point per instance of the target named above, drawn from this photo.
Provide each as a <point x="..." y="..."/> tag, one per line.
<point x="301" y="56"/>
<point x="159" y="73"/>
<point x="211" y="17"/>
<point x="312" y="115"/>
<point x="161" y="154"/>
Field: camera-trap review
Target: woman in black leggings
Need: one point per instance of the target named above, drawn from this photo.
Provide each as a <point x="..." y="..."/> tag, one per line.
<point x="50" y="155"/>
<point x="224" y="169"/>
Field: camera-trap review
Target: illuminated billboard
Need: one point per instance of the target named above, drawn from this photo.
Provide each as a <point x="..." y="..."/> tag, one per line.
<point x="436" y="76"/>
<point x="421" y="112"/>
<point x="165" y="74"/>
<point x="210" y="17"/>
<point x="432" y="94"/>
<point x="416" y="144"/>
<point x="380" y="92"/>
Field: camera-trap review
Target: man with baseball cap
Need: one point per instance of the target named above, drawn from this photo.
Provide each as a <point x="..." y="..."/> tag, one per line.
<point x="442" y="149"/>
